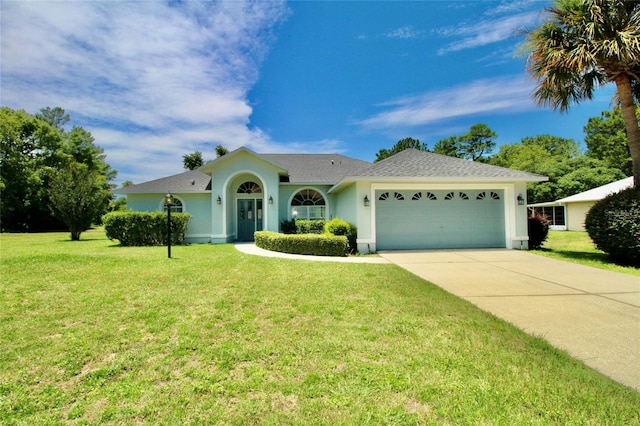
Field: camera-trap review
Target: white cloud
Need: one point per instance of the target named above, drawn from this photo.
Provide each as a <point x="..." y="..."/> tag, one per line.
<point x="406" y="32"/>
<point x="151" y="81"/>
<point x="487" y="31"/>
<point x="502" y="95"/>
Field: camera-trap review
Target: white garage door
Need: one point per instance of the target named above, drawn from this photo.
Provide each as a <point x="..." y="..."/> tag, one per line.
<point x="412" y="219"/>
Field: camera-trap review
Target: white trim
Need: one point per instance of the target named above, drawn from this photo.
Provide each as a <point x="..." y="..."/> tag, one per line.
<point x="221" y="235"/>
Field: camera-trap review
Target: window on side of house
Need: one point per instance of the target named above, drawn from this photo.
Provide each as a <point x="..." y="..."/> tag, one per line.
<point x="176" y="207"/>
<point x="308" y="204"/>
<point x="555" y="214"/>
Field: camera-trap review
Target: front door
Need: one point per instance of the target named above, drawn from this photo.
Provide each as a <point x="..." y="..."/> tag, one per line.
<point x="249" y="218"/>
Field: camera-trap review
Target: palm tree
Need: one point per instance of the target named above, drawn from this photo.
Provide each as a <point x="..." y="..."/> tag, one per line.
<point x="586" y="44"/>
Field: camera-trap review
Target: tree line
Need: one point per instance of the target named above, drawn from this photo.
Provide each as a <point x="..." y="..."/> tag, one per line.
<point x="570" y="170"/>
<point x="50" y="178"/>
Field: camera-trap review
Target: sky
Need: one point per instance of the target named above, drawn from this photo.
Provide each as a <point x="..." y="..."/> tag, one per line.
<point x="153" y="81"/>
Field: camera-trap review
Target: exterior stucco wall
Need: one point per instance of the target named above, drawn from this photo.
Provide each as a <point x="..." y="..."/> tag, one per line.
<point x="520" y="232"/>
<point x="576" y="215"/>
<point x="199" y="206"/>
<point x="350" y="207"/>
<point x="226" y="177"/>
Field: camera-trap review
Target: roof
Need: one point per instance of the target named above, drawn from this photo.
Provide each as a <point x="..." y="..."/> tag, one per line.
<point x="600" y="192"/>
<point x="191" y="181"/>
<point x="316" y="168"/>
<point x="413" y="163"/>
<point x="336" y="169"/>
<point x="594" y="194"/>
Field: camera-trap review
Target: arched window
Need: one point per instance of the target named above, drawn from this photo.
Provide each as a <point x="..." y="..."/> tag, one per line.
<point x="249" y="187"/>
<point x="308" y="204"/>
<point x="176" y="206"/>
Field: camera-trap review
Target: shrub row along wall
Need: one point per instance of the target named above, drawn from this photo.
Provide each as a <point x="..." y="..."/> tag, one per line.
<point x="145" y="229"/>
<point x="335" y="226"/>
<point x="313" y="244"/>
<point x="303" y="226"/>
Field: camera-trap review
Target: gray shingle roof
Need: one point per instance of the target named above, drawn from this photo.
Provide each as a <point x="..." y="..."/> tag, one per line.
<point x="316" y="168"/>
<point x="332" y="169"/>
<point x="412" y="163"/>
<point x="191" y="181"/>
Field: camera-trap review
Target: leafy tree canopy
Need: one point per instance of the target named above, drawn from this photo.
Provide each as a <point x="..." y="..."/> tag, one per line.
<point x="569" y="171"/>
<point x="192" y="161"/>
<point x="606" y="140"/>
<point x="474" y="145"/>
<point x="35" y="148"/>
<point x="54" y="116"/>
<point x="78" y="196"/>
<point x="400" y="146"/>
<point x="221" y="150"/>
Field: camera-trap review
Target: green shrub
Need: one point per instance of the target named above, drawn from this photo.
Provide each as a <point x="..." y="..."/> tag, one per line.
<point x="538" y="225"/>
<point x="338" y="226"/>
<point x="315" y="226"/>
<point x="613" y="224"/>
<point x="312" y="244"/>
<point x="145" y="228"/>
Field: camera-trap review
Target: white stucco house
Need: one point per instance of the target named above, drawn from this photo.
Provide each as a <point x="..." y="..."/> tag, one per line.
<point x="412" y="200"/>
<point x="569" y="213"/>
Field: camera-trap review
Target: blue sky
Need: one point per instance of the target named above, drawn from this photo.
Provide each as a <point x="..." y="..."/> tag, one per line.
<point x="153" y="80"/>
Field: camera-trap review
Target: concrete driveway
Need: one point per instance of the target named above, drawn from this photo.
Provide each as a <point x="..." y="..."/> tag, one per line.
<point x="591" y="313"/>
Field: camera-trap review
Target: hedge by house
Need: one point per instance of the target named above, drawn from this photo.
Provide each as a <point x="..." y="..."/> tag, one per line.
<point x="145" y="228"/>
<point x="338" y="226"/>
<point x="311" y="244"/>
<point x="303" y="226"/>
<point x="613" y="224"/>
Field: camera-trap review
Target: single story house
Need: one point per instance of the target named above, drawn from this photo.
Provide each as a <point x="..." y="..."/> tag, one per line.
<point x="412" y="200"/>
<point x="569" y="213"/>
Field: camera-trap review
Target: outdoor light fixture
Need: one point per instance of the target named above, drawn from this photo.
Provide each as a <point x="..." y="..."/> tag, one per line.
<point x="366" y="201"/>
<point x="520" y="200"/>
<point x="168" y="200"/>
<point x="270" y="199"/>
<point x="219" y="200"/>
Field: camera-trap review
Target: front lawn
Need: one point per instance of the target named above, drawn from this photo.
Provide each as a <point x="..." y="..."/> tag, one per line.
<point x="577" y="247"/>
<point x="95" y="333"/>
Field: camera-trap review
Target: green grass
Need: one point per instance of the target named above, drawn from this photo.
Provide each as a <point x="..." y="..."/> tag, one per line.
<point x="93" y="333"/>
<point x="577" y="247"/>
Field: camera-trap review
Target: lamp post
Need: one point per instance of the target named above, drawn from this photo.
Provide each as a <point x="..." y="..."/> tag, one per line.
<point x="168" y="200"/>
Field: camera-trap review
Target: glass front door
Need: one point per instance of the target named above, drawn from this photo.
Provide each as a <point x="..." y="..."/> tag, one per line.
<point x="250" y="215"/>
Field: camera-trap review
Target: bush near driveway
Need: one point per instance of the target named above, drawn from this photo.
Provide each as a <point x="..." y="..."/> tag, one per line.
<point x="538" y="226"/>
<point x="613" y="224"/>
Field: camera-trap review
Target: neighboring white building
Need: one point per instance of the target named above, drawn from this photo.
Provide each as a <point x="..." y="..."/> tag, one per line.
<point x="568" y="214"/>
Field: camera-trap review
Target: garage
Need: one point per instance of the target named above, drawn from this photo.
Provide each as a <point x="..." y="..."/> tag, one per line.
<point x="438" y="219"/>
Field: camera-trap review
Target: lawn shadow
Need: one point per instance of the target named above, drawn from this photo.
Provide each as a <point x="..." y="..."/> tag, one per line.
<point x="579" y="255"/>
